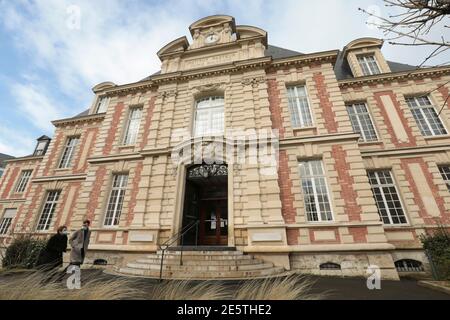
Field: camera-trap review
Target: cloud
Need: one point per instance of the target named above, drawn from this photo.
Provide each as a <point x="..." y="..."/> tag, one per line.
<point x="34" y="105"/>
<point x="15" y="142"/>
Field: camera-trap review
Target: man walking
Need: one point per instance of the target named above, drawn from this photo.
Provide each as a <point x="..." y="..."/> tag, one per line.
<point x="79" y="242"/>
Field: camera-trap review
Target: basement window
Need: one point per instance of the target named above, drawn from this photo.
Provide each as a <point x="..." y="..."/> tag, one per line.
<point x="330" y="266"/>
<point x="409" y="265"/>
<point x="100" y="262"/>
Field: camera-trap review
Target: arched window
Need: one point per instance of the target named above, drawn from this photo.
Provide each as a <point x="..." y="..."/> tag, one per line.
<point x="330" y="266"/>
<point x="209" y="117"/>
<point x="409" y="265"/>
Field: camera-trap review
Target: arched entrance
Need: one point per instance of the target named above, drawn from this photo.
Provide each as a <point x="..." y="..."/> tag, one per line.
<point x="206" y="201"/>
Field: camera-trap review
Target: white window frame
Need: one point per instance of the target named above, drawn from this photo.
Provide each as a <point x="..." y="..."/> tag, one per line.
<point x="359" y="123"/>
<point x="102" y="103"/>
<point x="305" y="120"/>
<point x="313" y="178"/>
<point x="116" y="198"/>
<point x="130" y="136"/>
<point x="48" y="210"/>
<point x="420" y="108"/>
<point x="445" y="174"/>
<point x="68" y="152"/>
<point x="6" y="221"/>
<point x="210" y="111"/>
<point x="383" y="196"/>
<point x="366" y="63"/>
<point x="23" y="181"/>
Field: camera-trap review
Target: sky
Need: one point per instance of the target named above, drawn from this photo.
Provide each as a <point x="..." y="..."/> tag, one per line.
<point x="52" y="52"/>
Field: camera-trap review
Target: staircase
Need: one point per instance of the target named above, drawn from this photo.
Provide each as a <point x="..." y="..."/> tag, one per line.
<point x="198" y="263"/>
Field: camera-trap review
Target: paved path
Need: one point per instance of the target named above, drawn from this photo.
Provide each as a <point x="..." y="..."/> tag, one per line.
<point x="353" y="288"/>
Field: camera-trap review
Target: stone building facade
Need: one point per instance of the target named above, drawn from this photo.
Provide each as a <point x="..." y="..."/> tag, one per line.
<point x="361" y="149"/>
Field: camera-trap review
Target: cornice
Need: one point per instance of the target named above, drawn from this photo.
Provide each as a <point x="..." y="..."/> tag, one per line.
<point x="222" y="69"/>
<point x="405" y="151"/>
<point x="116" y="157"/>
<point x="325" y="56"/>
<point x="27" y="158"/>
<point x="318" y="139"/>
<point x="394" y="76"/>
<point x="91" y="117"/>
<point x="70" y="177"/>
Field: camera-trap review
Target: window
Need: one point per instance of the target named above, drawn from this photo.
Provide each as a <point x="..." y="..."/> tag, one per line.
<point x="133" y="124"/>
<point x="48" y="210"/>
<point x="299" y="107"/>
<point x="425" y="115"/>
<point x="6" y="221"/>
<point x="1" y="171"/>
<point x="408" y="265"/>
<point x="209" y="117"/>
<point x="69" y="150"/>
<point x="23" y="181"/>
<point x="115" y="202"/>
<point x="315" y="191"/>
<point x="330" y="266"/>
<point x="40" y="148"/>
<point x="369" y="65"/>
<point x="362" y="122"/>
<point x="386" y="196"/>
<point x="445" y="172"/>
<point x="102" y="105"/>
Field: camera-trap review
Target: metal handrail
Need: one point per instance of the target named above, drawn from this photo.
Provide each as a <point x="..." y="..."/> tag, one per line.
<point x="173" y="239"/>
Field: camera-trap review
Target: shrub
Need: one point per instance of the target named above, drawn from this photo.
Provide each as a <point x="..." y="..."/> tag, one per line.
<point x="23" y="252"/>
<point x="437" y="247"/>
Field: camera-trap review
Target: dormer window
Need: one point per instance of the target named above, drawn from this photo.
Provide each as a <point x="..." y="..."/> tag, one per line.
<point x="368" y="64"/>
<point x="41" y="146"/>
<point x="102" y="105"/>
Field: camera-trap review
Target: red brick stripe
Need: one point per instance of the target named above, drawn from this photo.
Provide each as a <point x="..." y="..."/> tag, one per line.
<point x="95" y="193"/>
<point x="113" y="128"/>
<point x="275" y="106"/>
<point x="11" y="181"/>
<point x="325" y="104"/>
<point x="284" y="182"/>
<point x="346" y="181"/>
<point x="445" y="214"/>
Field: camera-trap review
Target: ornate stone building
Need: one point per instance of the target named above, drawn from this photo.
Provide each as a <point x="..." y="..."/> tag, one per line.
<point x="361" y="147"/>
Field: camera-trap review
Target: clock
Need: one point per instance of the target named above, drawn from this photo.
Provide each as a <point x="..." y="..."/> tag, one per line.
<point x="211" y="38"/>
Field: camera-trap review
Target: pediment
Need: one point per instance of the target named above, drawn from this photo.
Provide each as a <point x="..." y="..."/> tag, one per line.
<point x="178" y="45"/>
<point x="212" y="21"/>
<point x="363" y="43"/>
<point x="245" y="32"/>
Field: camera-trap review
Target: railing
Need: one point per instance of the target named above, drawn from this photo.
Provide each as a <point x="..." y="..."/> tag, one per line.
<point x="173" y="239"/>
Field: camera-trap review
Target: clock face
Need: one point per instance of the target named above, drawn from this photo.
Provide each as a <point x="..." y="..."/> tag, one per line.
<point x="211" y="38"/>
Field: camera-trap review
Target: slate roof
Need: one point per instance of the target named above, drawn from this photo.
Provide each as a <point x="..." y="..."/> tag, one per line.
<point x="3" y="158"/>
<point x="342" y="69"/>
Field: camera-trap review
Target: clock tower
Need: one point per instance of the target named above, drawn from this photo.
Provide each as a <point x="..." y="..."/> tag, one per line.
<point x="216" y="40"/>
<point x="212" y="30"/>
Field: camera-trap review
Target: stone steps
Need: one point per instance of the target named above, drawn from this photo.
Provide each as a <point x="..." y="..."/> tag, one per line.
<point x="200" y="264"/>
<point x="173" y="267"/>
<point x="193" y="275"/>
<point x="191" y="262"/>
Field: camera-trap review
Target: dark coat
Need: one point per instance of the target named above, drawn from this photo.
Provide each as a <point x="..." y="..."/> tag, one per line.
<point x="52" y="255"/>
